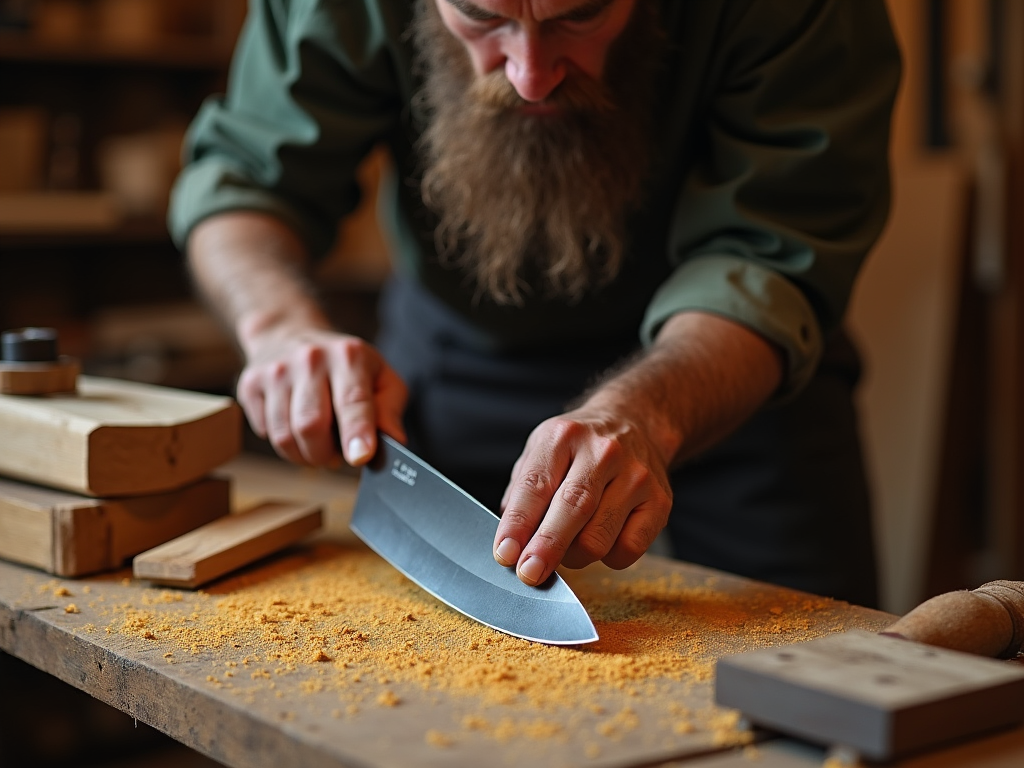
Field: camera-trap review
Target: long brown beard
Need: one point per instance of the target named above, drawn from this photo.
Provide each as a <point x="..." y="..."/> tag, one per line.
<point x="531" y="203"/>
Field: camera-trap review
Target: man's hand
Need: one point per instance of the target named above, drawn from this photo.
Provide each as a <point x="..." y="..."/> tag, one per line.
<point x="306" y="387"/>
<point x="592" y="484"/>
<point x="316" y="390"/>
<point x="587" y="487"/>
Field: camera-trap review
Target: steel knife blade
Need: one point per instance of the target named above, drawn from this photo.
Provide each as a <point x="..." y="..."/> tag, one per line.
<point x="440" y="537"/>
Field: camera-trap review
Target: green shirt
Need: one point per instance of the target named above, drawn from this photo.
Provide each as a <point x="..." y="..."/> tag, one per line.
<point x="771" y="162"/>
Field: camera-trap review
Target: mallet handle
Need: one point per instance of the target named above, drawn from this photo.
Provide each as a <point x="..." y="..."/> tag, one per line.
<point x="987" y="621"/>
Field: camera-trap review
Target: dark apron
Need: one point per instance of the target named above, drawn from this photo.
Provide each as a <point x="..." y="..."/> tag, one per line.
<point x="783" y="500"/>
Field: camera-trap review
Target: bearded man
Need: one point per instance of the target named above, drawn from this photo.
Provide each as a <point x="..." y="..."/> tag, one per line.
<point x="625" y="233"/>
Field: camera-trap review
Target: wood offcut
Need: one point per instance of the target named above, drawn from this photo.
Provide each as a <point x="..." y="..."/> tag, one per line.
<point x="227" y="544"/>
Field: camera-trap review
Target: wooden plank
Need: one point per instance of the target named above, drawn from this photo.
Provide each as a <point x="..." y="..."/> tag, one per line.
<point x="117" y="438"/>
<point x="227" y="544"/>
<point x="882" y="696"/>
<point x="71" y="535"/>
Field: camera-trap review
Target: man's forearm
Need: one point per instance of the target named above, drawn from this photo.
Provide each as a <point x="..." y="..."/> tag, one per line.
<point x="704" y="376"/>
<point x="248" y="267"/>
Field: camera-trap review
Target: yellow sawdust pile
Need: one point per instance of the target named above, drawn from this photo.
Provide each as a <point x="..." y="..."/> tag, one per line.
<point x="344" y="621"/>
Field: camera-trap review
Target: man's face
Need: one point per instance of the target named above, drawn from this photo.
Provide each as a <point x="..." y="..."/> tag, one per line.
<point x="537" y="43"/>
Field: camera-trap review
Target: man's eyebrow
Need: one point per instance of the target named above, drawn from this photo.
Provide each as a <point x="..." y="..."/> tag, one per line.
<point x="471" y="11"/>
<point x="585" y="11"/>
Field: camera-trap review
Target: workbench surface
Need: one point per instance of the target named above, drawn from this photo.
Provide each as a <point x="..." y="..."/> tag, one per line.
<point x="324" y="655"/>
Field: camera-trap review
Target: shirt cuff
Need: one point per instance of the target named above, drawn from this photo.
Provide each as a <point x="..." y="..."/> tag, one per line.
<point x="749" y="294"/>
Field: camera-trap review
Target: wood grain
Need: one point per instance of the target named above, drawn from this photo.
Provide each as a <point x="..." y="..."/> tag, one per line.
<point x="70" y="535"/>
<point x="224" y="545"/>
<point x="117" y="438"/>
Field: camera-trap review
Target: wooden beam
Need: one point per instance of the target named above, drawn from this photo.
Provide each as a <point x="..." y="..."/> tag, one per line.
<point x="71" y="535"/>
<point x="229" y="543"/>
<point x="117" y="438"/>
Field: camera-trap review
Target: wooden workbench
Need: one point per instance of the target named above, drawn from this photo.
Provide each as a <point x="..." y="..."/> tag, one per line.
<point x="280" y="665"/>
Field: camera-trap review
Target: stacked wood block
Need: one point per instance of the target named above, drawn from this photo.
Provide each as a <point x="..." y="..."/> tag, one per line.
<point x="92" y="477"/>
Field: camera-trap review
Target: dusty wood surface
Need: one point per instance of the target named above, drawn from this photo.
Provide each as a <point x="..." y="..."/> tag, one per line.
<point x="232" y="699"/>
<point x="215" y="549"/>
<point x="324" y="655"/>
<point x="70" y="535"/>
<point x="117" y="438"/>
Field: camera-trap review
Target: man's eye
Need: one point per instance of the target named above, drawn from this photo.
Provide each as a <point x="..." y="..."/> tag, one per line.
<point x="482" y="17"/>
<point x="587" y="13"/>
<point x="581" y="26"/>
<point x="581" y="17"/>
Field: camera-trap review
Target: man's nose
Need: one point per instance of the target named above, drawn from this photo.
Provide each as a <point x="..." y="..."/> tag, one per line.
<point x="533" y="67"/>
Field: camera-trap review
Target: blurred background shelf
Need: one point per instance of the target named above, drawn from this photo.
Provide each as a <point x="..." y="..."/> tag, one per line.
<point x="142" y="232"/>
<point x="184" y="54"/>
<point x="95" y="97"/>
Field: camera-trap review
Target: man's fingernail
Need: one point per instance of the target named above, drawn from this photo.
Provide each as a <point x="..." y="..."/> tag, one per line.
<point x="531" y="571"/>
<point x="507" y="552"/>
<point x="357" y="449"/>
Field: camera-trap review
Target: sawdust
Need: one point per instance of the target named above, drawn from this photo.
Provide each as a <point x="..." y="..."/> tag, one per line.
<point x="438" y="739"/>
<point x="345" y="623"/>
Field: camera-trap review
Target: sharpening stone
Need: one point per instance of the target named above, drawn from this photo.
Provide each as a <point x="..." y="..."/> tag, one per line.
<point x="882" y="696"/>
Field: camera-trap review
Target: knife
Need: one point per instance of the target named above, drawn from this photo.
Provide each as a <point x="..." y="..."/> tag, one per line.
<point x="440" y="537"/>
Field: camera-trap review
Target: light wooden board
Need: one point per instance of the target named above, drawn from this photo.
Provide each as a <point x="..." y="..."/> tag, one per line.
<point x="117" y="438"/>
<point x="72" y="535"/>
<point x="225" y="545"/>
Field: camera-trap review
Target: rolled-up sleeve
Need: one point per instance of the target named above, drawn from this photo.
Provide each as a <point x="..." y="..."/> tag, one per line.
<point x="312" y="87"/>
<point x="790" y="188"/>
